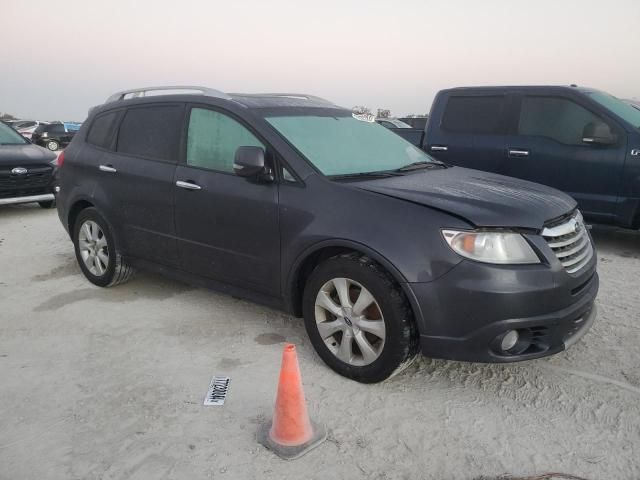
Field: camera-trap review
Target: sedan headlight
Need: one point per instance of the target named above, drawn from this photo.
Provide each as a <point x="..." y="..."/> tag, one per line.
<point x="491" y="247"/>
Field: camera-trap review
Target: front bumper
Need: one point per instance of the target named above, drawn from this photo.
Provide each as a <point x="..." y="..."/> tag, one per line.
<point x="27" y="199"/>
<point x="463" y="314"/>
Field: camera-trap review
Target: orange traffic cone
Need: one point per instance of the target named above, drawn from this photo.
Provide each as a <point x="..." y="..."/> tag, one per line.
<point x="291" y="434"/>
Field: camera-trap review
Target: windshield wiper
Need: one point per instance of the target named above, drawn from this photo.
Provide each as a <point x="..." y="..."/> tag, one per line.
<point x="379" y="174"/>
<point x="422" y="164"/>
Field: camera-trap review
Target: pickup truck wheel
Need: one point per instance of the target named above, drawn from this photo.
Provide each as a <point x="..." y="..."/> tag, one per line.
<point x="48" y="204"/>
<point x="53" y="145"/>
<point x="358" y="319"/>
<point x="96" y="251"/>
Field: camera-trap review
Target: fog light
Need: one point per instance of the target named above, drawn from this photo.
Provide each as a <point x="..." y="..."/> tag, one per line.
<point x="509" y="340"/>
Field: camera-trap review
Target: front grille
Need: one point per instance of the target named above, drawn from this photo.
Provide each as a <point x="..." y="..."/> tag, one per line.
<point x="570" y="242"/>
<point x="37" y="178"/>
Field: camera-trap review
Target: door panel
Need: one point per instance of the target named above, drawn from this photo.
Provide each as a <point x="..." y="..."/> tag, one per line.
<point x="550" y="131"/>
<point x="471" y="133"/>
<point x="228" y="229"/>
<point x="227" y="226"/>
<point x="139" y="178"/>
<point x="143" y="191"/>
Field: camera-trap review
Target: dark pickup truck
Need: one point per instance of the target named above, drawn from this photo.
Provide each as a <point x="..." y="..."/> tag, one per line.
<point x="579" y="140"/>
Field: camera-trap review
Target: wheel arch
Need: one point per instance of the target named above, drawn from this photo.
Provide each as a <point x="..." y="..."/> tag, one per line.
<point x="74" y="211"/>
<point x="316" y="254"/>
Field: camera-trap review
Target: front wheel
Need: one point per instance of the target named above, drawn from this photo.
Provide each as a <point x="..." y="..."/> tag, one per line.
<point x="96" y="251"/>
<point x="53" y="145"/>
<point x="358" y="319"/>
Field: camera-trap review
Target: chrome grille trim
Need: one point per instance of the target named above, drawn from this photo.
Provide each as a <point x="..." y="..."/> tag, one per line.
<point x="571" y="243"/>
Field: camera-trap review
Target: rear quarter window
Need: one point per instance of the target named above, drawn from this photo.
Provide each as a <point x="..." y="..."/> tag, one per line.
<point x="103" y="129"/>
<point x="474" y="114"/>
<point x="151" y="132"/>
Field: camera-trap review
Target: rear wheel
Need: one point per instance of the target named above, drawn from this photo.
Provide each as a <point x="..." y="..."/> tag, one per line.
<point x="96" y="251"/>
<point x="47" y="204"/>
<point x="358" y="319"/>
<point x="52" y="145"/>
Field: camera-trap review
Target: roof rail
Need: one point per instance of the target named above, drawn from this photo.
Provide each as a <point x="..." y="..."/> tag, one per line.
<point x="303" y="96"/>
<point x="140" y="92"/>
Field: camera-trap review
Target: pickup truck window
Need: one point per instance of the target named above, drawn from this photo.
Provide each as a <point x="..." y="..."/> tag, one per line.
<point x="343" y="145"/>
<point x="622" y="109"/>
<point x="474" y="114"/>
<point x="556" y="118"/>
<point x="213" y="139"/>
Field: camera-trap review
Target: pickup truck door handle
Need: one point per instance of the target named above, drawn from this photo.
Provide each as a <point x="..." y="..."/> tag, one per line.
<point x="518" y="153"/>
<point x="188" y="185"/>
<point x="107" y="168"/>
<point x="439" y="148"/>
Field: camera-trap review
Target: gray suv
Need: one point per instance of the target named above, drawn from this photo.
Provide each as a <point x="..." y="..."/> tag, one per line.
<point x="292" y="201"/>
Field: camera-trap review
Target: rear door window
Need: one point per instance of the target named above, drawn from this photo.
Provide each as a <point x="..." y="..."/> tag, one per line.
<point x="474" y="114"/>
<point x="151" y="132"/>
<point x="557" y="118"/>
<point x="102" y="129"/>
<point x="213" y="139"/>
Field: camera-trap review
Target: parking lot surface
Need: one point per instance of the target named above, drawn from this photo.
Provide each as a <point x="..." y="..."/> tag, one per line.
<point x="109" y="383"/>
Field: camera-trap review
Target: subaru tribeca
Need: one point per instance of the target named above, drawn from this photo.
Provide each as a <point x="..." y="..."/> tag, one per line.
<point x="297" y="203"/>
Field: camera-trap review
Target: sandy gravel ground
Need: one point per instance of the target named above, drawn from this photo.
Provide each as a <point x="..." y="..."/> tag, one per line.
<point x="108" y="384"/>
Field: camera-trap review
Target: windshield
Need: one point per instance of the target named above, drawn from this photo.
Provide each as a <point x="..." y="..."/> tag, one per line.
<point x="8" y="136"/>
<point x="343" y="145"/>
<point x="617" y="106"/>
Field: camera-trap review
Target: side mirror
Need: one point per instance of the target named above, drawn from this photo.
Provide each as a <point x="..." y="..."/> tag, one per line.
<point x="249" y="162"/>
<point x="598" y="133"/>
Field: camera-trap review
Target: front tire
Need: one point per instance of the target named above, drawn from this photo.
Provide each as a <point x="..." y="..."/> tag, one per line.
<point x="358" y="319"/>
<point x="52" y="145"/>
<point x="96" y="251"/>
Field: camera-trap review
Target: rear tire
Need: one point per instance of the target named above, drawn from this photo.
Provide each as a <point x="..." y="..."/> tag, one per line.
<point x="97" y="251"/>
<point x="52" y="145"/>
<point x="380" y="331"/>
<point x="48" y="204"/>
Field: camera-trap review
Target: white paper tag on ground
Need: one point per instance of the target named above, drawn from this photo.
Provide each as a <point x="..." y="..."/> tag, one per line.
<point x="217" y="392"/>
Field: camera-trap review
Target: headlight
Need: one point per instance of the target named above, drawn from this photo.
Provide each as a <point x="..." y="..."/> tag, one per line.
<point x="491" y="247"/>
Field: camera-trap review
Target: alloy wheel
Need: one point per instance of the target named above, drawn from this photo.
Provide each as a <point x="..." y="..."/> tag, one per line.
<point x="350" y="321"/>
<point x="93" y="247"/>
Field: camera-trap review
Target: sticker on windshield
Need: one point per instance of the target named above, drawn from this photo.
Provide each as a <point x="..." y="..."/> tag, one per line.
<point x="364" y="117"/>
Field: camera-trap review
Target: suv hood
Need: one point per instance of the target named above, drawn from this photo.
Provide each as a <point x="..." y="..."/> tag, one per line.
<point x="483" y="199"/>
<point x="28" y="154"/>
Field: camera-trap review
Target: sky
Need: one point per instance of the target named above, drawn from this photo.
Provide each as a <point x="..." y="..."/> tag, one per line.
<point x="58" y="62"/>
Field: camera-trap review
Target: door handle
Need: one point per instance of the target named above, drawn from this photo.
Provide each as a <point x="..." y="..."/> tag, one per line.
<point x="107" y="168"/>
<point x="188" y="185"/>
<point x="439" y="148"/>
<point x="518" y="153"/>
